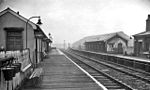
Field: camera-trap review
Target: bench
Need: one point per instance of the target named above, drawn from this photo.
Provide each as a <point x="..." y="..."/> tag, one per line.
<point x="35" y="76"/>
<point x="45" y="54"/>
<point x="36" y="73"/>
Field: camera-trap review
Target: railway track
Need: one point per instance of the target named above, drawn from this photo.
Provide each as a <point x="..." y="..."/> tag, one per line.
<point x="108" y="81"/>
<point x="133" y="78"/>
<point x="125" y="69"/>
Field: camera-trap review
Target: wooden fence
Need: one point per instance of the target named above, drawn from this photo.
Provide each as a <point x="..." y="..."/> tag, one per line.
<point x="12" y="57"/>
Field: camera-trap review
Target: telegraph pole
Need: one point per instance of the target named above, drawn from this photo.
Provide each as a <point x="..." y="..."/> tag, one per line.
<point x="64" y="44"/>
<point x="68" y="45"/>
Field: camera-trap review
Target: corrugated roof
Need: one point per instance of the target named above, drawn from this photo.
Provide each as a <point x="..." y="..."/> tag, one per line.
<point x="102" y="37"/>
<point x="105" y="37"/>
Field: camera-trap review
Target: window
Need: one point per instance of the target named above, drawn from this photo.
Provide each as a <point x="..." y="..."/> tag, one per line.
<point x="14" y="40"/>
<point x="111" y="45"/>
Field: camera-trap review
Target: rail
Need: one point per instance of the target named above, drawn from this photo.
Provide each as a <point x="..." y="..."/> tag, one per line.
<point x="115" y="84"/>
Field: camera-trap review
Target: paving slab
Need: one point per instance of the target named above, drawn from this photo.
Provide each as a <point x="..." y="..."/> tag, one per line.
<point x="61" y="74"/>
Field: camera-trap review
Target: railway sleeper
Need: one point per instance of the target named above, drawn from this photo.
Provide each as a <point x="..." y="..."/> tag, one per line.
<point x="110" y="84"/>
<point x="114" y="87"/>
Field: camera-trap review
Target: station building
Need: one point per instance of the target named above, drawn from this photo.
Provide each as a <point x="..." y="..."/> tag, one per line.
<point x="117" y="42"/>
<point x="142" y="41"/>
<point x="18" y="34"/>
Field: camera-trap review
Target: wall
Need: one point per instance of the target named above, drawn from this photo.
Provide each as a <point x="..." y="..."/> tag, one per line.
<point x="115" y="42"/>
<point x="9" y="20"/>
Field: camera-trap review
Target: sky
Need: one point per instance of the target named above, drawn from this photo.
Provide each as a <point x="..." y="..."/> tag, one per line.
<point x="71" y="20"/>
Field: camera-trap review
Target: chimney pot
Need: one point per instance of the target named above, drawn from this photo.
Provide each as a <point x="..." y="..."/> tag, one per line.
<point x="18" y="12"/>
<point x="148" y="23"/>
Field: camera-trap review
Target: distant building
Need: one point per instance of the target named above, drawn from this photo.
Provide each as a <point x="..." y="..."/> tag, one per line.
<point x="117" y="42"/>
<point x="142" y="41"/>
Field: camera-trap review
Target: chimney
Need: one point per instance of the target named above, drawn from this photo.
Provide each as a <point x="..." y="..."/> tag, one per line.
<point x="18" y="12"/>
<point x="148" y="24"/>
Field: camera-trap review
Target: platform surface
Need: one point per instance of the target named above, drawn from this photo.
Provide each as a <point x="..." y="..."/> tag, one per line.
<point x="61" y="74"/>
<point x="140" y="59"/>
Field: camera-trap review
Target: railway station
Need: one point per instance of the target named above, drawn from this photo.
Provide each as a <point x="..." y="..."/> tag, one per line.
<point x="32" y="59"/>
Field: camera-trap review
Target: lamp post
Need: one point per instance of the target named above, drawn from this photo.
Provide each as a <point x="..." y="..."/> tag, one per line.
<point x="64" y="44"/>
<point x="39" y="23"/>
<point x="50" y="38"/>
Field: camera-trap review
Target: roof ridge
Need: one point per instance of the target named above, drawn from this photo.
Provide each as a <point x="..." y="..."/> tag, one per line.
<point x="107" y="33"/>
<point x="34" y="25"/>
<point x="8" y="9"/>
<point x="100" y="37"/>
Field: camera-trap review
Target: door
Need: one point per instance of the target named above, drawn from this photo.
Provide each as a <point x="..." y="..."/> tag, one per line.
<point x="120" y="49"/>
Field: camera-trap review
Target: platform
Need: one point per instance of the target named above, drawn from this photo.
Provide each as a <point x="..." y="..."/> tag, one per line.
<point x="139" y="59"/>
<point x="61" y="74"/>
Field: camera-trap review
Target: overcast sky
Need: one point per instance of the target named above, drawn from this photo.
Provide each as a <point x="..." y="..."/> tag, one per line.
<point x="71" y="20"/>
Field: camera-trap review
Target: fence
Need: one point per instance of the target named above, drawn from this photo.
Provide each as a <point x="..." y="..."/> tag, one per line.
<point x="7" y="58"/>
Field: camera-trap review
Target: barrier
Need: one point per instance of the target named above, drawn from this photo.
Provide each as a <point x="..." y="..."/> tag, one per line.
<point x="13" y="61"/>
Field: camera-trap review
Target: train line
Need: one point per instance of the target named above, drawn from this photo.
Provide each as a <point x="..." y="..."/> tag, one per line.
<point x="143" y="77"/>
<point x="130" y="77"/>
<point x="122" y="68"/>
<point x="108" y="81"/>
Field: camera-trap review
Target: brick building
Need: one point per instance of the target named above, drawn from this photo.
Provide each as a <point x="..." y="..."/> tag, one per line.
<point x="142" y="41"/>
<point x="23" y="38"/>
<point x="15" y="36"/>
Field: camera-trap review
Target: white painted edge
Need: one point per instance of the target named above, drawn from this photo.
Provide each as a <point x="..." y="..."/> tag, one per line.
<point x="97" y="82"/>
<point x="23" y="70"/>
<point x="60" y="52"/>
